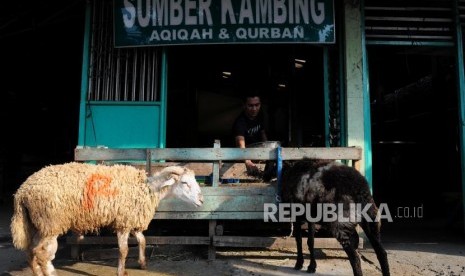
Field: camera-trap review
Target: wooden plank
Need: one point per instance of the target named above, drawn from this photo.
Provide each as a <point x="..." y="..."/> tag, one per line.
<point x="211" y="234"/>
<point x="105" y="154"/>
<point x="349" y="153"/>
<point x="213" y="154"/>
<point x="227" y="169"/>
<point x="216" y="154"/>
<point x="224" y="199"/>
<point x="219" y="203"/>
<point x="238" y="170"/>
<point x="200" y="168"/>
<point x="233" y="190"/>
<point x="196" y="240"/>
<point x="219" y="241"/>
<point x="216" y="167"/>
<point x="274" y="242"/>
<point x="210" y="215"/>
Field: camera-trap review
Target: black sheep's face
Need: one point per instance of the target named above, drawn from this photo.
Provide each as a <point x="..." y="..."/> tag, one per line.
<point x="270" y="171"/>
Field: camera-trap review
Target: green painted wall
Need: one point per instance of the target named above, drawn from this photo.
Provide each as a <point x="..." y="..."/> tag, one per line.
<point x="122" y="125"/>
<point x="358" y="115"/>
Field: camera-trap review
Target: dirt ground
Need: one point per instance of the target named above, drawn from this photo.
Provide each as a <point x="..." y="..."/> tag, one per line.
<point x="426" y="253"/>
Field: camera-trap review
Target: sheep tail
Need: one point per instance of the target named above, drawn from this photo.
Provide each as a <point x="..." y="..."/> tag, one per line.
<point x="21" y="226"/>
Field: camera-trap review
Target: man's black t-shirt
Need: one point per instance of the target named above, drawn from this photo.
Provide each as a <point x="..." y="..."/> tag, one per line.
<point x="250" y="129"/>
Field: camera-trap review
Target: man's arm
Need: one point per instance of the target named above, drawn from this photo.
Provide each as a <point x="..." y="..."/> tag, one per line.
<point x="249" y="165"/>
<point x="240" y="141"/>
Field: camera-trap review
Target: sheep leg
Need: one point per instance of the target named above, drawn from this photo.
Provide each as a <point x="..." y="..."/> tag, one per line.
<point x="311" y="246"/>
<point x="123" y="252"/>
<point x="41" y="254"/>
<point x="298" y="241"/>
<point x="50" y="249"/>
<point x="371" y="230"/>
<point x="34" y="264"/>
<point x="348" y="240"/>
<point x="141" y="241"/>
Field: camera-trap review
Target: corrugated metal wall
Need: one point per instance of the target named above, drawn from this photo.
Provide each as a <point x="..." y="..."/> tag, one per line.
<point x="119" y="74"/>
<point x="409" y="22"/>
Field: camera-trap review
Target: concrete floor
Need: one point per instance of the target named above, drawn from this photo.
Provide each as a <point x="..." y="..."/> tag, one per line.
<point x="419" y="248"/>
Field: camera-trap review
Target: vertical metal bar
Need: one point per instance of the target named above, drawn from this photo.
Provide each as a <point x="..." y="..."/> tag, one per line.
<point x="163" y="96"/>
<point x="111" y="74"/>
<point x="216" y="167"/>
<point x="326" y="95"/>
<point x="366" y="103"/>
<point x="107" y="53"/>
<point x="143" y="75"/>
<point x="126" y="70"/>
<point x="342" y="94"/>
<point x="149" y="75"/>
<point x="92" y="69"/>
<point x="134" y="76"/>
<point x="84" y="76"/>
<point x="117" y="80"/>
<point x="103" y="71"/>
<point x="156" y="73"/>
<point x="461" y="97"/>
<point x="98" y="53"/>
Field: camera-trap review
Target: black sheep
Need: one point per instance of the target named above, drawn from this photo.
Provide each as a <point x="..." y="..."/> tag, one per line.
<point x="320" y="182"/>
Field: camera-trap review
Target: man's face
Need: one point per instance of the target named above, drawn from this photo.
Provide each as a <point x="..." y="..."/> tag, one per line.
<point x="252" y="107"/>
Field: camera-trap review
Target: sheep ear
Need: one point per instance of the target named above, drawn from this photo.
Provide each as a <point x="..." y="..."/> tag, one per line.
<point x="170" y="181"/>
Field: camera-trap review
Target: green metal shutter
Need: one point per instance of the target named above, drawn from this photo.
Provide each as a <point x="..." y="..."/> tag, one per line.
<point x="409" y="22"/>
<point x="124" y="102"/>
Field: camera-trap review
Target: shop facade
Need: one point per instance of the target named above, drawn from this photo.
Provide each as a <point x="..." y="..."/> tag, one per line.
<point x="170" y="74"/>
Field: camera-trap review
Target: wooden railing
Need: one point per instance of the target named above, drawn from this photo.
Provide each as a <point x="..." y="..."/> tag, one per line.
<point x="240" y="201"/>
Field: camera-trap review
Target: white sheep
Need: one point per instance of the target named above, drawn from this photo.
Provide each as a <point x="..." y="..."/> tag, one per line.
<point x="84" y="198"/>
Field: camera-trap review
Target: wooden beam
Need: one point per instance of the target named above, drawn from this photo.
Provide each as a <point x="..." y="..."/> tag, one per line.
<point x="185" y="240"/>
<point x="210" y="215"/>
<point x="215" y="154"/>
<point x="350" y="153"/>
<point x="218" y="241"/>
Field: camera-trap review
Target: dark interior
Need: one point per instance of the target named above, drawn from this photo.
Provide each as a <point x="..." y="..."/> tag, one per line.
<point x="205" y="101"/>
<point x="414" y="130"/>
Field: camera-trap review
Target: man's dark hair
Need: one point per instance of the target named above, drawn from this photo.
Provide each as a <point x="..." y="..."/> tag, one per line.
<point x="251" y="93"/>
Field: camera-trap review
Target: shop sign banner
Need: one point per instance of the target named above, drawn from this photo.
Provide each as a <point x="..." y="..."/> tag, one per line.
<point x="177" y="22"/>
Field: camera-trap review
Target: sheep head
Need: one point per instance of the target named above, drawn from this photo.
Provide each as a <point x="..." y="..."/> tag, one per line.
<point x="181" y="183"/>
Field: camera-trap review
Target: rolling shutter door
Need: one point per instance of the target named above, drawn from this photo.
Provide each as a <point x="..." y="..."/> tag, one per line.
<point x="409" y="22"/>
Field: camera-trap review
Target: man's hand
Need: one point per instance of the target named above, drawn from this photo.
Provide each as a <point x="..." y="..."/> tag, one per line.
<point x="252" y="169"/>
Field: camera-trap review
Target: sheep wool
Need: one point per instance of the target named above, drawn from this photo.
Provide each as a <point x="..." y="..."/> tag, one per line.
<point x="83" y="198"/>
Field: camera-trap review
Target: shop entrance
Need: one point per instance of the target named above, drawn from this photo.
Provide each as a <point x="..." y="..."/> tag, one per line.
<point x="206" y="85"/>
<point x="414" y="130"/>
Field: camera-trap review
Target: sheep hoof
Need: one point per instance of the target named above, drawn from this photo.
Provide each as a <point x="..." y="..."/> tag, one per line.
<point x="311" y="269"/>
<point x="143" y="266"/>
<point x="298" y="266"/>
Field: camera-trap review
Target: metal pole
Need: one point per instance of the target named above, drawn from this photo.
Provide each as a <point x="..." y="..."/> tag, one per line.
<point x="326" y="95"/>
<point x="84" y="76"/>
<point x="163" y="97"/>
<point x="134" y="76"/>
<point x="366" y="103"/>
<point x="461" y="99"/>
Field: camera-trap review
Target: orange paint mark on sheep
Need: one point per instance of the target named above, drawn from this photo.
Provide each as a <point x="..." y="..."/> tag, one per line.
<point x="97" y="185"/>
